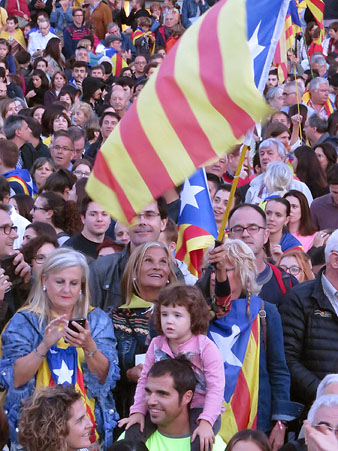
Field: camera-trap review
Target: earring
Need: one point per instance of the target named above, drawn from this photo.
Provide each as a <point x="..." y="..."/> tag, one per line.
<point x="80" y="292"/>
<point x="44" y="288"/>
<point x="168" y="281"/>
<point x="134" y="279"/>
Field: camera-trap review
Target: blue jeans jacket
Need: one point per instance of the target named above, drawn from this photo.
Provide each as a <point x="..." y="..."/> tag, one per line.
<point x="189" y="9"/>
<point x="23" y="334"/>
<point x="274" y="376"/>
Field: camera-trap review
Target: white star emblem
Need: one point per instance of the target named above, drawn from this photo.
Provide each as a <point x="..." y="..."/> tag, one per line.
<point x="188" y="195"/>
<point x="225" y="345"/>
<point x="254" y="46"/>
<point x="64" y="374"/>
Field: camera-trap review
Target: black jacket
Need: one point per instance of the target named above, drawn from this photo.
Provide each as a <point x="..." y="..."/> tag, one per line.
<point x="310" y="327"/>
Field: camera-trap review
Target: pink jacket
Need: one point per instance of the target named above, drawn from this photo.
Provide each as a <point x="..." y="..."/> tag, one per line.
<point x="207" y="363"/>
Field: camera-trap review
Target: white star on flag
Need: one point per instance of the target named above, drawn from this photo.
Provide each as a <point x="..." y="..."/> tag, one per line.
<point x="188" y="195"/>
<point x="225" y="345"/>
<point x="64" y="374"/>
<point x="254" y="46"/>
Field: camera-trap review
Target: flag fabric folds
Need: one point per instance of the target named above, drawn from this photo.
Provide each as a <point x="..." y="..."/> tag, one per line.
<point x="200" y="103"/>
<point x="196" y="222"/>
<point x="238" y="339"/>
<point x="317" y="9"/>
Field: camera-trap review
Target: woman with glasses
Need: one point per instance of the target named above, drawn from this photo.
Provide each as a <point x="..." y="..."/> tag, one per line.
<point x="298" y="264"/>
<point x="36" y="251"/>
<point x="58" y="338"/>
<point x="82" y="168"/>
<point x="63" y="215"/>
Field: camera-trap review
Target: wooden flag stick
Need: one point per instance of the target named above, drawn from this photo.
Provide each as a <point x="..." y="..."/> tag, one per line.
<point x="232" y="193"/>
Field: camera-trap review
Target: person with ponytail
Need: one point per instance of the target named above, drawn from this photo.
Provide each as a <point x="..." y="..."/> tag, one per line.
<point x="234" y="327"/>
<point x="63" y="215"/>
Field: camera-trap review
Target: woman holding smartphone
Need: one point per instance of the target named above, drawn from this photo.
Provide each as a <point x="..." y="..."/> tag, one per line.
<point x="40" y="349"/>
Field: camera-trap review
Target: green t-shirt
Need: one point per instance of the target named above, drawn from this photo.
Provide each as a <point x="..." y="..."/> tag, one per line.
<point x="158" y="441"/>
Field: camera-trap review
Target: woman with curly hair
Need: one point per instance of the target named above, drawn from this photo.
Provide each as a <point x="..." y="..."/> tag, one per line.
<point x="63" y="215"/>
<point x="50" y="420"/>
<point x="82" y="112"/>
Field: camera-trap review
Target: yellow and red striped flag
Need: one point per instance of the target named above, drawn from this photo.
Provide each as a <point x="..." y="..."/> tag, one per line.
<point x="201" y="102"/>
<point x="317" y="9"/>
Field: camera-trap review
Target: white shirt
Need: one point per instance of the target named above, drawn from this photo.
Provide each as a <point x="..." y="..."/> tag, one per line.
<point x="38" y="42"/>
<point x="21" y="223"/>
<point x="330" y="292"/>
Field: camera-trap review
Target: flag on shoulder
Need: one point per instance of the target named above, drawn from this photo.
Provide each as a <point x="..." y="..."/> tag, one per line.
<point x="196" y="222"/>
<point x="200" y="103"/>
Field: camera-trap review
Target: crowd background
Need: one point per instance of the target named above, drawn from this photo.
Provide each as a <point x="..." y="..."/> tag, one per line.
<point x="69" y="72"/>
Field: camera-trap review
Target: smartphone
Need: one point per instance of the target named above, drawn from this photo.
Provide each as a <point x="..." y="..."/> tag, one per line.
<point x="6" y="264"/>
<point x="81" y="321"/>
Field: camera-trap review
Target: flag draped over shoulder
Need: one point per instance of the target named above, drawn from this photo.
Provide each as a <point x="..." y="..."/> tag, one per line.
<point x="238" y="339"/>
<point x="196" y="222"/>
<point x="200" y="102"/>
<point x="317" y="9"/>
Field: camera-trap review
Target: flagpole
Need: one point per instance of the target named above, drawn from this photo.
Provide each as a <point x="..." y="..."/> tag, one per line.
<point x="232" y="193"/>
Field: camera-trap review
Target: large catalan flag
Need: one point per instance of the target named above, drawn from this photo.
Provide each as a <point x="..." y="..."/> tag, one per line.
<point x="196" y="222"/>
<point x="238" y="339"/>
<point x="201" y="102"/>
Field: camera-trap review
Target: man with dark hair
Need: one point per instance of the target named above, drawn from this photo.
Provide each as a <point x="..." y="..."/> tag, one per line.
<point x="92" y="93"/>
<point x="95" y="224"/>
<point x="213" y="184"/>
<point x="19" y="180"/>
<point x="324" y="209"/>
<point x="169" y="390"/>
<point x="79" y="73"/>
<point x="317" y="133"/>
<point x="78" y="137"/>
<point x="108" y="121"/>
<point x="36" y="140"/>
<point x="74" y="32"/>
<point x="17" y="130"/>
<point x="60" y="182"/>
<point x="13" y="90"/>
<point x="106" y="272"/>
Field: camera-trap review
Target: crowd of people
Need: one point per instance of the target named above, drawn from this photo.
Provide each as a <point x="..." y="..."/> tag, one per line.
<point x="108" y="342"/>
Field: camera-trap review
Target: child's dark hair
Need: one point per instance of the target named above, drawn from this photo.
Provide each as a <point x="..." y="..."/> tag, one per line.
<point x="186" y="296"/>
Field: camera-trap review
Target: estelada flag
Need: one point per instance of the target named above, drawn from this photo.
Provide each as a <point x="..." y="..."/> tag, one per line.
<point x="200" y="103"/>
<point x="238" y="339"/>
<point x="317" y="9"/>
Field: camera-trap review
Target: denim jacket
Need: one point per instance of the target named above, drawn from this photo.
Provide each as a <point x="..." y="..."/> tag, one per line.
<point x="23" y="334"/>
<point x="189" y="9"/>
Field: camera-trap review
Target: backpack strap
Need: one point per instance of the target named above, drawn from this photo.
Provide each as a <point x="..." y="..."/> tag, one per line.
<point x="262" y="316"/>
<point x="281" y="278"/>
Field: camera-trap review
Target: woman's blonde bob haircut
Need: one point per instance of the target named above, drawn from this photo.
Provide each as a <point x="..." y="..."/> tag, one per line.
<point x="241" y="257"/>
<point x="38" y="300"/>
<point x="131" y="275"/>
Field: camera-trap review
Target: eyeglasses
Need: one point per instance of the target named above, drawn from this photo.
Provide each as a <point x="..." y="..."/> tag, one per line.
<point x="65" y="148"/>
<point x="323" y="426"/>
<point x="39" y="208"/>
<point x="293" y="270"/>
<point x="148" y="215"/>
<point x="81" y="173"/>
<point x="8" y="229"/>
<point x="40" y="259"/>
<point x="252" y="229"/>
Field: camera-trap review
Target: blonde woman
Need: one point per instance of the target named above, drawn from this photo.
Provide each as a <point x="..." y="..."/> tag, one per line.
<point x="81" y="113"/>
<point x="250" y="336"/>
<point x="41" y="346"/>
<point x="147" y="271"/>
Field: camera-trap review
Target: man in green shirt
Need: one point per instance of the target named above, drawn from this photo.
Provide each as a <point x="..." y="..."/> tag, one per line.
<point x="170" y="387"/>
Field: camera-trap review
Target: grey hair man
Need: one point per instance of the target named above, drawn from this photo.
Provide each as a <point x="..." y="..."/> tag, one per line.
<point x="319" y="96"/>
<point x="270" y="150"/>
<point x="274" y="97"/>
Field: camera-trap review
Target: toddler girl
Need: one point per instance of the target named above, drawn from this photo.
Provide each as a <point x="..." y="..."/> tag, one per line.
<point x="181" y="316"/>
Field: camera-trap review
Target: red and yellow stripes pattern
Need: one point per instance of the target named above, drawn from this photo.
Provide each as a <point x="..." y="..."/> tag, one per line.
<point x="236" y="417"/>
<point x="317" y="9"/>
<point x="192" y="241"/>
<point x="189" y="113"/>
<point x="328" y="105"/>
